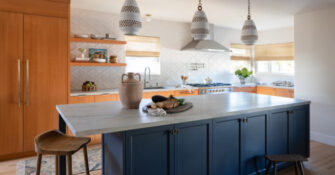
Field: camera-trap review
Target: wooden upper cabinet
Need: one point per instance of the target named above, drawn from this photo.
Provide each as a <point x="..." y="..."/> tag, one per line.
<point x="46" y="73"/>
<point x="56" y="8"/>
<point x="11" y="89"/>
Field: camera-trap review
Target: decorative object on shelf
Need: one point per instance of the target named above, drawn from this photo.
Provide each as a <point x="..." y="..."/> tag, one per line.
<point x="249" y="34"/>
<point x="130" y="90"/>
<point x="82" y="52"/>
<point x="108" y="36"/>
<point x="94" y="36"/>
<point x="130" y="18"/>
<point x="243" y="74"/>
<point x="200" y="26"/>
<point x="113" y="59"/>
<point x="89" y="86"/>
<point x="81" y="35"/>
<point x="98" y="55"/>
<point x="183" y="80"/>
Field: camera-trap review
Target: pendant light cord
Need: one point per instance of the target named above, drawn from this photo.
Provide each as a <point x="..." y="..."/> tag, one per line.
<point x="200" y="5"/>
<point x="249" y="16"/>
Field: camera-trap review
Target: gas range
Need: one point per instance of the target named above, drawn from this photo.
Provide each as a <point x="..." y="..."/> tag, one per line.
<point x="213" y="88"/>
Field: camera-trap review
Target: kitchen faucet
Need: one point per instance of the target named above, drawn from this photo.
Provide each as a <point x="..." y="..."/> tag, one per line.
<point x="145" y="76"/>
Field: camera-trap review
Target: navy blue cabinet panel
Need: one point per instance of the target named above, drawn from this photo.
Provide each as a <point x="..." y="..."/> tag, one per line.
<point x="277" y="133"/>
<point x="193" y="148"/>
<point x="299" y="131"/>
<point x="149" y="151"/>
<point x="226" y="147"/>
<point x="253" y="144"/>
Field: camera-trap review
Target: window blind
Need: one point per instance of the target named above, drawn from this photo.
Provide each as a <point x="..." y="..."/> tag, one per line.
<point x="274" y="52"/>
<point x="142" y="46"/>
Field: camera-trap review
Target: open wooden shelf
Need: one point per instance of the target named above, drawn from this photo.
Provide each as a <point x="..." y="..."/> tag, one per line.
<point x="100" y="41"/>
<point x="96" y="64"/>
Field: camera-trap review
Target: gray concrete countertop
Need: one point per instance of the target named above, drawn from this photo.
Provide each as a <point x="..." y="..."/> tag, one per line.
<point x="98" y="118"/>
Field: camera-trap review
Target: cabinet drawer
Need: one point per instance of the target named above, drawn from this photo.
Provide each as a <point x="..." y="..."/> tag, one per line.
<point x="265" y="90"/>
<point x="245" y="89"/>
<point x="81" y="99"/>
<point x="186" y="92"/>
<point x="103" y="98"/>
<point x="148" y="95"/>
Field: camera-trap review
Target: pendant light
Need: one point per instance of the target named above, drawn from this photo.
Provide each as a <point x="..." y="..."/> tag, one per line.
<point x="200" y="26"/>
<point x="249" y="31"/>
<point x="130" y="18"/>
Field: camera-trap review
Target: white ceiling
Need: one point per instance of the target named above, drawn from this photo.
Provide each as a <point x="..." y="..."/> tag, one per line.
<point x="268" y="14"/>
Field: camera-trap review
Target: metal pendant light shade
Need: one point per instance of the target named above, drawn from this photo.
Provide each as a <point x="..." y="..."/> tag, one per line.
<point x="130" y="18"/>
<point x="249" y="34"/>
<point x="200" y="26"/>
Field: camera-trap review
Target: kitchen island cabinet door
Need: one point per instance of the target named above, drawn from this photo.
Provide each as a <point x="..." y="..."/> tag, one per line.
<point x="46" y="74"/>
<point x="150" y="151"/>
<point x="253" y="144"/>
<point x="277" y="132"/>
<point x="226" y="147"/>
<point x="299" y="131"/>
<point x="193" y="148"/>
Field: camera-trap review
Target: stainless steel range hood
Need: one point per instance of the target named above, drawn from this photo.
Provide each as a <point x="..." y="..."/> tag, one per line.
<point x="205" y="45"/>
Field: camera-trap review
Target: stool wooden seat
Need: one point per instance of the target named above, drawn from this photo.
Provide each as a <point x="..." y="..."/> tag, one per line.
<point x="297" y="159"/>
<point x="56" y="143"/>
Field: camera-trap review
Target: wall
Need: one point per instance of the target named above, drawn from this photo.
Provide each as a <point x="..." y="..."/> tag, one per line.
<point x="315" y="62"/>
<point x="281" y="35"/>
<point x="174" y="35"/>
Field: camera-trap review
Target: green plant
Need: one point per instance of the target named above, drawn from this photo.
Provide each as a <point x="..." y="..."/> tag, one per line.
<point x="243" y="73"/>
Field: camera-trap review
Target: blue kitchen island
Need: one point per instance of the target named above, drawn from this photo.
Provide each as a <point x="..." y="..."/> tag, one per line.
<point x="222" y="134"/>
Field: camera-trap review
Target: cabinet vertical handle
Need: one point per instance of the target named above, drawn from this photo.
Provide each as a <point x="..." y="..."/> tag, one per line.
<point x="172" y="132"/>
<point x="27" y="82"/>
<point x="18" y="82"/>
<point x="177" y="131"/>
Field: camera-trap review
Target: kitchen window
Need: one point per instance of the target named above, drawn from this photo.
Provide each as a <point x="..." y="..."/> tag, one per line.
<point x="240" y="57"/>
<point x="142" y="52"/>
<point x="281" y="67"/>
<point x="138" y="64"/>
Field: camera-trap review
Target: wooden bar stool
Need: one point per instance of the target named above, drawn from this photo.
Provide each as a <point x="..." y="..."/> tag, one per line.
<point x="297" y="159"/>
<point x="56" y="143"/>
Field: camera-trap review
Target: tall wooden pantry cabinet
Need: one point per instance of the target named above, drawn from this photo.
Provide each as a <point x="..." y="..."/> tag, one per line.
<point x="34" y="52"/>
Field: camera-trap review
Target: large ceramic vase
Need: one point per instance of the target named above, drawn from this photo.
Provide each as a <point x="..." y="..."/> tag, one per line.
<point x="130" y="18"/>
<point x="131" y="90"/>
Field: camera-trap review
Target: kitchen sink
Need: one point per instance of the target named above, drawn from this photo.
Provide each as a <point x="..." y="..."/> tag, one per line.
<point x="159" y="87"/>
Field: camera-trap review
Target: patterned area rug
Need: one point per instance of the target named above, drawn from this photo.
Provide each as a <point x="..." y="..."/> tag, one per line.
<point x="28" y="166"/>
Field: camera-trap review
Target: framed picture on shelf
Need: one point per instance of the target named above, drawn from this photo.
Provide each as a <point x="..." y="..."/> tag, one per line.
<point x="98" y="55"/>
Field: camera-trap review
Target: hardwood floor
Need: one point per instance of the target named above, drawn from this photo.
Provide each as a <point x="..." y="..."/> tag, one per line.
<point x="321" y="162"/>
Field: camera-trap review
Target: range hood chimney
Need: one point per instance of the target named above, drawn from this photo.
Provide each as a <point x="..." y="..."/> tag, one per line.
<point x="206" y="45"/>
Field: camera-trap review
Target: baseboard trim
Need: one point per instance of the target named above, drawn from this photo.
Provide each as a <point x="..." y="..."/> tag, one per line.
<point x="323" y="138"/>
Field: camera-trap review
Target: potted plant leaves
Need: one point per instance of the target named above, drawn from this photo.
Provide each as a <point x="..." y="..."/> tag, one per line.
<point x="242" y="74"/>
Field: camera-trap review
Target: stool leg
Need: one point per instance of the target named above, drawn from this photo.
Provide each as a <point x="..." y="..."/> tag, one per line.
<point x="69" y="164"/>
<point x="86" y="160"/>
<point x="274" y="168"/>
<point x="296" y="168"/>
<point x="39" y="162"/>
<point x="301" y="169"/>
<point x="56" y="165"/>
<point x="269" y="167"/>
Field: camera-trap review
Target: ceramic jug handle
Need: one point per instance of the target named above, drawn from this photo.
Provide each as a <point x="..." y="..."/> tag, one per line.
<point x="122" y="79"/>
<point x="139" y="76"/>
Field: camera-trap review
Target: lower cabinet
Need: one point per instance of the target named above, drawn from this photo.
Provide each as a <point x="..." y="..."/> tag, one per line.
<point x="253" y="146"/>
<point x="234" y="145"/>
<point x="182" y="149"/>
<point x="226" y="146"/>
